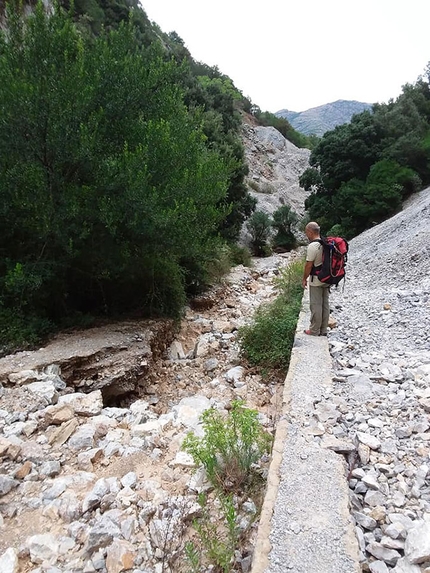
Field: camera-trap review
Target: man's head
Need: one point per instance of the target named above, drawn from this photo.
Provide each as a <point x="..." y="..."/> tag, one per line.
<point x="312" y="230"/>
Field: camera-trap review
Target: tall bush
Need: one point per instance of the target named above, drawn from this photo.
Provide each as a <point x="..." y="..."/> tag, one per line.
<point x="259" y="226"/>
<point x="283" y="220"/>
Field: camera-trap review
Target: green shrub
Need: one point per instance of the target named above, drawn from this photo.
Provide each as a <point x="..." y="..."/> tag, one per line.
<point x="229" y="447"/>
<point x="337" y="231"/>
<point x="267" y="188"/>
<point x="268" y="341"/>
<point x="283" y="219"/>
<point x="259" y="225"/>
<point x="20" y="331"/>
<point x="219" y="263"/>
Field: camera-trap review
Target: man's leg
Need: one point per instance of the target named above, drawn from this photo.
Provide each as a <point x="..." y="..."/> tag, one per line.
<point x="325" y="305"/>
<point x="316" y="307"/>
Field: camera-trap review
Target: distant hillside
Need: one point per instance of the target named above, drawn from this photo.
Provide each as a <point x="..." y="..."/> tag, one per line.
<point x="318" y="120"/>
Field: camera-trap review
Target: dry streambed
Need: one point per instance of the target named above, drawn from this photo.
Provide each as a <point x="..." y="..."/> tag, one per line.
<point x="93" y="477"/>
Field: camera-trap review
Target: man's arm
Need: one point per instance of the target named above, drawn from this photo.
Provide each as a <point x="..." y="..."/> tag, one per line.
<point x="307" y="272"/>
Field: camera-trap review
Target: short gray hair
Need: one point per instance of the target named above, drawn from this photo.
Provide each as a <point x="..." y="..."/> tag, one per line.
<point x="312" y="226"/>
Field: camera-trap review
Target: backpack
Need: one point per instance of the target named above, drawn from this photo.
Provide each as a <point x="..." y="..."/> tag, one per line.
<point x="334" y="257"/>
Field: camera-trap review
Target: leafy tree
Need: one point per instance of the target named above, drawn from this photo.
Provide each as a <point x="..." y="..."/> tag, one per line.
<point x="108" y="187"/>
<point x="205" y="89"/>
<point x="388" y="172"/>
<point x="405" y="123"/>
<point x="283" y="219"/>
<point x="348" y="151"/>
<point x="214" y="103"/>
<point x="361" y="171"/>
<point x="311" y="180"/>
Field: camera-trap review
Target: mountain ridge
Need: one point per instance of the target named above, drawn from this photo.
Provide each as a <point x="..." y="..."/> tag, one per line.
<point x="318" y="120"/>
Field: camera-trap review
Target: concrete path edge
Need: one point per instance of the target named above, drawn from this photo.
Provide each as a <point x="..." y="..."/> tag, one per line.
<point x="305" y="523"/>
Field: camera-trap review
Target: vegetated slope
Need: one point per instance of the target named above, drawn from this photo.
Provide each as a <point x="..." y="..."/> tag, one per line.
<point x="318" y="120"/>
<point x="125" y="80"/>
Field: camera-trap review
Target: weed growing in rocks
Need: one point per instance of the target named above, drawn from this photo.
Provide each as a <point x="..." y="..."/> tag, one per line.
<point x="193" y="557"/>
<point x="230" y="446"/>
<point x="229" y="451"/>
<point x="254" y="185"/>
<point x="217" y="538"/>
<point x="268" y="340"/>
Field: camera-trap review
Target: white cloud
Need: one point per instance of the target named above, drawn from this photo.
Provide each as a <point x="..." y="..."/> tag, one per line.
<point x="298" y="55"/>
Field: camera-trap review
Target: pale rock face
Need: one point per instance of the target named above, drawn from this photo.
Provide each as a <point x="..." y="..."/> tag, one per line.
<point x="189" y="411"/>
<point x="275" y="166"/>
<point x="417" y="548"/>
<point x="84" y="404"/>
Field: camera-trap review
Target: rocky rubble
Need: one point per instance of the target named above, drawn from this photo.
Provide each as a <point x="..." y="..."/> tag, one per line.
<point x="114" y="358"/>
<point x="87" y="485"/>
<point x="381" y="400"/>
<point x="275" y="165"/>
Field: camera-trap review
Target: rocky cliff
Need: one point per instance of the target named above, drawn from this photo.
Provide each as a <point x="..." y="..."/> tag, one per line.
<point x="275" y="165"/>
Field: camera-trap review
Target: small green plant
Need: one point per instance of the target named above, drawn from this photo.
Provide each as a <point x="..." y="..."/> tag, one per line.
<point x="192" y="555"/>
<point x="267" y="188"/>
<point x="218" y="538"/>
<point x="240" y="255"/>
<point x="268" y="340"/>
<point x="289" y="282"/>
<point x="230" y="446"/>
<point x="219" y="263"/>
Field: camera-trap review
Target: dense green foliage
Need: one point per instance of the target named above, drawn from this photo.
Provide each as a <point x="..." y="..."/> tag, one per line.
<point x="283" y="219"/>
<point x="121" y="168"/>
<point x="268" y="341"/>
<point x="263" y="239"/>
<point x="361" y="172"/>
<point x="111" y="198"/>
<point x="208" y="94"/>
<point x="259" y="226"/>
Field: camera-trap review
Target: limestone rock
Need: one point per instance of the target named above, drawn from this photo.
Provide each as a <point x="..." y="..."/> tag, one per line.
<point x="417" y="548"/>
<point x="58" y="414"/>
<point x="9" y="561"/>
<point x="120" y="556"/>
<point x="84" y="404"/>
<point x="63" y="433"/>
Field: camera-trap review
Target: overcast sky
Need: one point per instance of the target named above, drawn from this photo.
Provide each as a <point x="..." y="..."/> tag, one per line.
<point x="295" y="55"/>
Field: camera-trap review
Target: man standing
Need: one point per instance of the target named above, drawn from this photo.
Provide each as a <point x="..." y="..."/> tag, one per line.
<point x="318" y="291"/>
